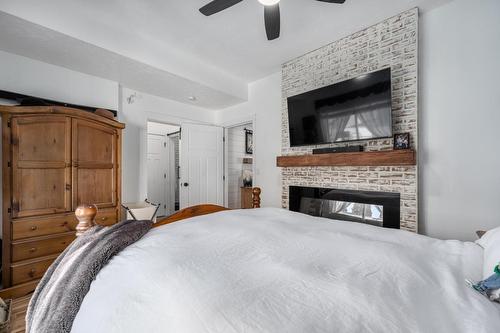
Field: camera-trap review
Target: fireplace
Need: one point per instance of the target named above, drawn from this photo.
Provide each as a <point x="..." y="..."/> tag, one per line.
<point x="376" y="208"/>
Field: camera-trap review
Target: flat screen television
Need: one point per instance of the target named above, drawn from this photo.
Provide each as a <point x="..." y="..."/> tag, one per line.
<point x="352" y="110"/>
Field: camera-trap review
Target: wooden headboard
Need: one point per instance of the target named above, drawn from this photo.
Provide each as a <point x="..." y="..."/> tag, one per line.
<point x="86" y="213"/>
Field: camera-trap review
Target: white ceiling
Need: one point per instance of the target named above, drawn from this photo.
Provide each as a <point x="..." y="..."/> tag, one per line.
<point x="222" y="52"/>
<point x="37" y="42"/>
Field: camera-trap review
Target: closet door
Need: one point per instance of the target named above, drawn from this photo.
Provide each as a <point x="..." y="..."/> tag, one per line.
<point x="41" y="169"/>
<point x="94" y="164"/>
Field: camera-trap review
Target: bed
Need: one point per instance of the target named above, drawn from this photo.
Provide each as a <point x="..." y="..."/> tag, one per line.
<point x="272" y="270"/>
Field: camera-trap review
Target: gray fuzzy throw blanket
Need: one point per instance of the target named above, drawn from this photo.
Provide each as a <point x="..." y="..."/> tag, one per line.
<point x="60" y="293"/>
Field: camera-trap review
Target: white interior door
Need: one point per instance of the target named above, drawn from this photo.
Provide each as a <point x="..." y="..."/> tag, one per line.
<point x="201" y="165"/>
<point x="172" y="181"/>
<point x="157" y="171"/>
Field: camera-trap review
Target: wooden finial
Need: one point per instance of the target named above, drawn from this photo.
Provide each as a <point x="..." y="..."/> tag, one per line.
<point x="256" y="197"/>
<point x="85" y="215"/>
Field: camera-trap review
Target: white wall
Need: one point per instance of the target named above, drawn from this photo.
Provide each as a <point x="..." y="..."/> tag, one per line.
<point x="264" y="104"/>
<point x="460" y="119"/>
<point x="136" y="116"/>
<point x="35" y="78"/>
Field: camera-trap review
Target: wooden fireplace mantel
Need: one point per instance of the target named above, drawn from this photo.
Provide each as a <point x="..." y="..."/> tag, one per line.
<point x="367" y="158"/>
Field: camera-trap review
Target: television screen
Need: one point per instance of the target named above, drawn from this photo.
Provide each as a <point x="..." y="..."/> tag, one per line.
<point x="352" y="110"/>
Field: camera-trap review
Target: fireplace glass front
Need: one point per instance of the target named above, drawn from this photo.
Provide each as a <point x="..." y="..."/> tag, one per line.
<point x="376" y="208"/>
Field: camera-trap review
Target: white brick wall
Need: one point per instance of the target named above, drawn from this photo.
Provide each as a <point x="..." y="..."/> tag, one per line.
<point x="391" y="43"/>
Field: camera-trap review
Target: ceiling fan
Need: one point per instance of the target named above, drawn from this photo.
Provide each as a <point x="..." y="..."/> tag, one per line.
<point x="271" y="12"/>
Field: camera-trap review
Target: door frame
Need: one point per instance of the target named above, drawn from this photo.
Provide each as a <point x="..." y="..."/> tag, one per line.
<point x="172" y="180"/>
<point x="170" y="185"/>
<point x="250" y="119"/>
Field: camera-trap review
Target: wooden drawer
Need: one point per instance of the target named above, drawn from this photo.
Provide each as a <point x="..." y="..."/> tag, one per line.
<point x="106" y="217"/>
<point x="56" y="224"/>
<point x="41" y="246"/>
<point x="42" y="226"/>
<point x="28" y="270"/>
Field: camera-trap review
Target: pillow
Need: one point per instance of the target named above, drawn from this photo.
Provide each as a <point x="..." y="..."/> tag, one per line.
<point x="490" y="242"/>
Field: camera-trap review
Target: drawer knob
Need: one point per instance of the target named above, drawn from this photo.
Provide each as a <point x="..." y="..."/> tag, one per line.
<point x="32" y="272"/>
<point x="33" y="228"/>
<point x="104" y="218"/>
<point x="33" y="249"/>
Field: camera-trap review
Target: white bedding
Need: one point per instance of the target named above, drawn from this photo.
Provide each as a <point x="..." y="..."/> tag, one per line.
<point x="271" y="270"/>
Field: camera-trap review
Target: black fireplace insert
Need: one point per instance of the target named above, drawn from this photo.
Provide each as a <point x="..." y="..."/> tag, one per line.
<point x="375" y="208"/>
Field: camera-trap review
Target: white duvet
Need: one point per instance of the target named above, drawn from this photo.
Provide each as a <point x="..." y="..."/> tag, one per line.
<point x="271" y="270"/>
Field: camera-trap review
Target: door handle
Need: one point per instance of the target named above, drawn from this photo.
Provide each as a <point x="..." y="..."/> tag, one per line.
<point x="185" y="184"/>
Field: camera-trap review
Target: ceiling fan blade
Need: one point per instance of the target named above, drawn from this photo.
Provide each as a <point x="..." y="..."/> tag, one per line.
<point x="217" y="6"/>
<point x="272" y="21"/>
<point x="333" y="1"/>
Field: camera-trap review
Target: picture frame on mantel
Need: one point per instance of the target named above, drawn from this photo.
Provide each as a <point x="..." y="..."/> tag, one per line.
<point x="401" y="141"/>
<point x="248" y="141"/>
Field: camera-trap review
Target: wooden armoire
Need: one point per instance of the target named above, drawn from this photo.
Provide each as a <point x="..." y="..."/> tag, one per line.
<point x="53" y="159"/>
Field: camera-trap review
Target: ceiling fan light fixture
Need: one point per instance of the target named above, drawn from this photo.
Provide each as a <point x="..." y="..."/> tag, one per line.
<point x="272" y="21"/>
<point x="269" y="2"/>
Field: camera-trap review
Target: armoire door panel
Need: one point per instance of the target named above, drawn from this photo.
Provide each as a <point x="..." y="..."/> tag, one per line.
<point x="94" y="143"/>
<point x="42" y="191"/>
<point x="41" y="160"/>
<point x="42" y="139"/>
<point x="96" y="186"/>
<point x="94" y="158"/>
